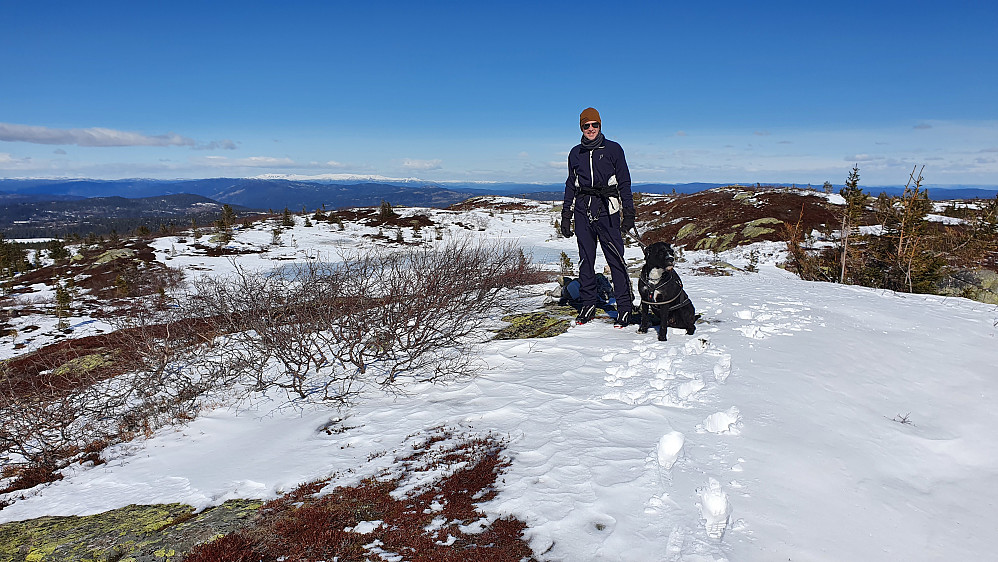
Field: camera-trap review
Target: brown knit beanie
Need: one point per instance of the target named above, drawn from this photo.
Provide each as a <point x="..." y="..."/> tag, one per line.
<point x="589" y="114"/>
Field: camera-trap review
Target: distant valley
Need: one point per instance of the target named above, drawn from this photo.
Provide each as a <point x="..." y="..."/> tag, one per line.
<point x="41" y="208"/>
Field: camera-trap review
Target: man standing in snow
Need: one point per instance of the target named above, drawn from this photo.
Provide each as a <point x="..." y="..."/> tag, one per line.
<point x="599" y="190"/>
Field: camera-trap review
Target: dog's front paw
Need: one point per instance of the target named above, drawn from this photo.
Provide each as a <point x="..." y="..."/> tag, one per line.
<point x="663" y="334"/>
<point x="642" y="329"/>
<point x="691" y="330"/>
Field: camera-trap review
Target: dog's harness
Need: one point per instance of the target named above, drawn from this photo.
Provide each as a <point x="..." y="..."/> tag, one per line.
<point x="665" y="281"/>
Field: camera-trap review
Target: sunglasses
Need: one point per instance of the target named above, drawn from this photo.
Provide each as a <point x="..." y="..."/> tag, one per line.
<point x="587" y="125"/>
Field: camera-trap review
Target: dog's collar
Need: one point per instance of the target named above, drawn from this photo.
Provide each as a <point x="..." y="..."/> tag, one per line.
<point x="670" y="275"/>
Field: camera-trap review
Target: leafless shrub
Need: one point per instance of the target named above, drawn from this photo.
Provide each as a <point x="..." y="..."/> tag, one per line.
<point x="327" y="330"/>
<point x="129" y="383"/>
<point x="319" y="331"/>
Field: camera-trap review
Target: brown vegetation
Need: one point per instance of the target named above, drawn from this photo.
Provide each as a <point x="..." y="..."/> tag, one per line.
<point x="421" y="521"/>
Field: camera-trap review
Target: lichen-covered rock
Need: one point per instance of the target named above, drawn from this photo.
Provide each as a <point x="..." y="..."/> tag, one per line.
<point x="540" y="324"/>
<point x="755" y="229"/>
<point x="977" y="284"/>
<point x="112" y="255"/>
<point x="136" y="533"/>
<point x="83" y="364"/>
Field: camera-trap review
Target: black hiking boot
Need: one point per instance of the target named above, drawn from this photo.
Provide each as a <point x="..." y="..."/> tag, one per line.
<point x="623" y="319"/>
<point x="587" y="313"/>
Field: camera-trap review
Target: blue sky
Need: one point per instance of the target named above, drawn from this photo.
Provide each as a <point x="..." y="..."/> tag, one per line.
<point x="723" y="91"/>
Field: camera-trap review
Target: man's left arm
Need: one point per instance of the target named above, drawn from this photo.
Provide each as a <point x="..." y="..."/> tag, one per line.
<point x="624" y="187"/>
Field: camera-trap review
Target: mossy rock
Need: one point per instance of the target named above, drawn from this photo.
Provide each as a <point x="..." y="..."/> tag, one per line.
<point x="136" y="533"/>
<point x="83" y="364"/>
<point x="976" y="284"/>
<point x="540" y="324"/>
<point x="112" y="255"/>
<point x="716" y="243"/>
<point x="688" y="229"/>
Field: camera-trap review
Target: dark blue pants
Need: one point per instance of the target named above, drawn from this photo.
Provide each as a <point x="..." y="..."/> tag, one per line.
<point x="593" y="223"/>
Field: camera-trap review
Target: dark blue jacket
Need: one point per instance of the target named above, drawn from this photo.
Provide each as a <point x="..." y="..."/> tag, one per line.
<point x="590" y="172"/>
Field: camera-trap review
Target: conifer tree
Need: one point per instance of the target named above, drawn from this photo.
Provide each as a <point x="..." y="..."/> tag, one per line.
<point x="385" y="213"/>
<point x="228" y="216"/>
<point x="902" y="254"/>
<point x="13" y="258"/>
<point x="855" y="201"/>
<point x="63" y="301"/>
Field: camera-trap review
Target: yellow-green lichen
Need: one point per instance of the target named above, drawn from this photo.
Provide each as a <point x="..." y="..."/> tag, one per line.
<point x="755" y="229"/>
<point x="539" y="324"/>
<point x="687" y="229"/>
<point x="83" y="364"/>
<point x="716" y="243"/>
<point x="112" y="255"/>
<point x="742" y="195"/>
<point x="133" y="533"/>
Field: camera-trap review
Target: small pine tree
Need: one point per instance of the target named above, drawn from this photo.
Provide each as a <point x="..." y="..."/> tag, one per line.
<point x="287" y="219"/>
<point x="228" y="216"/>
<point x="13" y="258"/>
<point x="385" y="212"/>
<point x="855" y="202"/>
<point x="63" y="302"/>
<point x="57" y="250"/>
<point x="308" y="222"/>
<point x="902" y="254"/>
<point x="567" y="268"/>
<point x="121" y="286"/>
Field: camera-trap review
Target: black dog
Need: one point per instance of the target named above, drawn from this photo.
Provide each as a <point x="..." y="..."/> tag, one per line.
<point x="662" y="293"/>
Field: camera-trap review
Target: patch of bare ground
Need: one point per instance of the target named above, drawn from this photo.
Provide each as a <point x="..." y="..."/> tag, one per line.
<point x="491" y="204"/>
<point x="402" y="514"/>
<point x="723" y="218"/>
<point x="374" y="217"/>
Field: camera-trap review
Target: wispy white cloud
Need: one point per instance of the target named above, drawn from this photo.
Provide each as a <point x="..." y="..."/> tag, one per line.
<point x="248" y="162"/>
<point x="95" y="136"/>
<point x="216" y="145"/>
<point x="923" y="126"/>
<point x="266" y="162"/>
<point x="59" y="151"/>
<point x="414" y="164"/>
<point x="761" y="133"/>
<point x="681" y="134"/>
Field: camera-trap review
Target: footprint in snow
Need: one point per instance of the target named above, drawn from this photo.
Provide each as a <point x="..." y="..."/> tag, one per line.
<point x="670" y="449"/>
<point x="722" y="422"/>
<point x="722" y="368"/>
<point x="715" y="509"/>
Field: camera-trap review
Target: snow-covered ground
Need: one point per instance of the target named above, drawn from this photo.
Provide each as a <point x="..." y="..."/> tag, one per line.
<point x="803" y="421"/>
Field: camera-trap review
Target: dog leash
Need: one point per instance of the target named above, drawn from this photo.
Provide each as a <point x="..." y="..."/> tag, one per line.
<point x="637" y="237"/>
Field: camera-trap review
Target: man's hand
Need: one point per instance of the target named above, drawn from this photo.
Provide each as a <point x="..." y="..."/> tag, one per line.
<point x="627" y="220"/>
